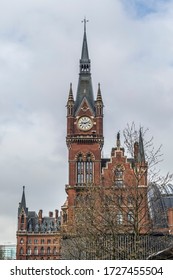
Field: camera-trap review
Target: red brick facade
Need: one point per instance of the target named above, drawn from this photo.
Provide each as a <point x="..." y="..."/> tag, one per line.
<point x="40" y="237"/>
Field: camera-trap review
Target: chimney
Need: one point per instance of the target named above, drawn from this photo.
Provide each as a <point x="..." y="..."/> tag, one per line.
<point x="40" y="215"/>
<point x="56" y="214"/>
<point x="136" y="150"/>
<point x="50" y="214"/>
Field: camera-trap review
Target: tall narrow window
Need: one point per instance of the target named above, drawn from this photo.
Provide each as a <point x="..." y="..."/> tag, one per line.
<point x="29" y="250"/>
<point x="118" y="177"/>
<point x="48" y="251"/>
<point x="89" y="169"/>
<point x="130" y="217"/>
<point x="35" y="251"/>
<point x="54" y="251"/>
<point x="42" y="251"/>
<point x="21" y="251"/>
<point x="80" y="170"/>
<point x="119" y="218"/>
<point x="22" y="219"/>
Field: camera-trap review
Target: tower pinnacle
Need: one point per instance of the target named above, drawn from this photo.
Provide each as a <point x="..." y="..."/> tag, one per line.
<point x="85" y="84"/>
<point x="85" y="21"/>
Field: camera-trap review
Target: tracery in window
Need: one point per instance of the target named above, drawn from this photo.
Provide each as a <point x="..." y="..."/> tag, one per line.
<point x="89" y="169"/>
<point x="80" y="169"/>
<point x="84" y="169"/>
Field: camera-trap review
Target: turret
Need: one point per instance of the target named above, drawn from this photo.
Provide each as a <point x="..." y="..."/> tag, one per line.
<point x="99" y="103"/>
<point x="22" y="212"/>
<point x="70" y="102"/>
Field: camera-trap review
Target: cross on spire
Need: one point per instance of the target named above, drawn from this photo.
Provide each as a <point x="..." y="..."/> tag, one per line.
<point x="84" y="21"/>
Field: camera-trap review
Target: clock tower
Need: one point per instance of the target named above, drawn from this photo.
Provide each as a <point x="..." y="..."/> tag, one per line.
<point x="84" y="134"/>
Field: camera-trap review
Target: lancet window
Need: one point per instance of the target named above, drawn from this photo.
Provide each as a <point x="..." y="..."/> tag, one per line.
<point x="84" y="169"/>
<point x="80" y="169"/>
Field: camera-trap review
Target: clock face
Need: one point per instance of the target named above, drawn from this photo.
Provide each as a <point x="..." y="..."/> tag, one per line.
<point x="85" y="123"/>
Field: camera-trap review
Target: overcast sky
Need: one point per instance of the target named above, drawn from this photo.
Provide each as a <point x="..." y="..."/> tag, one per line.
<point x="131" y="50"/>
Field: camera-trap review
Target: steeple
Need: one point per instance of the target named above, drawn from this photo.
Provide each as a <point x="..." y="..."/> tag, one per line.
<point x="22" y="204"/>
<point x="141" y="153"/>
<point x="85" y="83"/>
<point x="84" y="61"/>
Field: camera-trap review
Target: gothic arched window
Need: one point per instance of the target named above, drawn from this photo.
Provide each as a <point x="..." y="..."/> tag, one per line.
<point x="80" y="169"/>
<point x="21" y="251"/>
<point x="35" y="251"/>
<point x="22" y="219"/>
<point x="29" y="251"/>
<point x="42" y="251"/>
<point x="89" y="169"/>
<point x="21" y="241"/>
<point x="84" y="169"/>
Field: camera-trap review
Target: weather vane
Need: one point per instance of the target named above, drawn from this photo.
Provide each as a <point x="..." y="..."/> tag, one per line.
<point x="85" y="21"/>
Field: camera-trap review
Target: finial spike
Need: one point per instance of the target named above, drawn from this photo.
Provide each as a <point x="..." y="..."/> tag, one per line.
<point x="85" y="21"/>
<point x="118" y="140"/>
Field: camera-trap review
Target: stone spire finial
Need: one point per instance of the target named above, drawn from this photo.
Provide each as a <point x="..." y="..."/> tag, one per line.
<point x="118" y="140"/>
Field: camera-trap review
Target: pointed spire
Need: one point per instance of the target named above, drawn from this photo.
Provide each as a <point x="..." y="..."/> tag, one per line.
<point x="85" y="84"/>
<point x="141" y="153"/>
<point x="85" y="54"/>
<point x="70" y="97"/>
<point x="99" y="95"/>
<point x="85" y="61"/>
<point x="23" y="200"/>
<point x="22" y="204"/>
<point x="70" y="102"/>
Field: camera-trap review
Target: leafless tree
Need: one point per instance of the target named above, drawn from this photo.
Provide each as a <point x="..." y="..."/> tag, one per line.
<point x="113" y="222"/>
